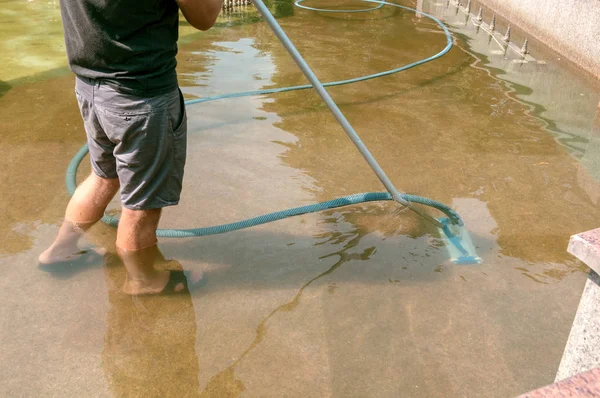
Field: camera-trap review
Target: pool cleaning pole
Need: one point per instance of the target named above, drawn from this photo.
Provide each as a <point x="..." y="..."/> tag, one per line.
<point x="314" y="81"/>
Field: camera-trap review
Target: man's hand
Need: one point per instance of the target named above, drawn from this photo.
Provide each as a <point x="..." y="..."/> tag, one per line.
<point x="201" y="14"/>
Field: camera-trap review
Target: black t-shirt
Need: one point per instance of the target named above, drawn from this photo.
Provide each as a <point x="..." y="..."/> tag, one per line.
<point x="129" y="44"/>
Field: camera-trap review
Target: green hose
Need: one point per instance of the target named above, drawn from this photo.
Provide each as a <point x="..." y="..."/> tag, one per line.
<point x="219" y="229"/>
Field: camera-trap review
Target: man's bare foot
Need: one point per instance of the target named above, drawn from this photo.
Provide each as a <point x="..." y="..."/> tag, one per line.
<point x="66" y="261"/>
<point x="67" y="253"/>
<point x="64" y="254"/>
<point x="162" y="282"/>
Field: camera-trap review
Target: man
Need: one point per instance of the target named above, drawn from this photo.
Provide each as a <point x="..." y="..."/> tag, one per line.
<point x="123" y="53"/>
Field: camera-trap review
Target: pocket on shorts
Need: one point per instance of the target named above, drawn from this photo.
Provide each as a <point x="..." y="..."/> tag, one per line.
<point x="178" y="132"/>
<point x="84" y="106"/>
<point x="177" y="116"/>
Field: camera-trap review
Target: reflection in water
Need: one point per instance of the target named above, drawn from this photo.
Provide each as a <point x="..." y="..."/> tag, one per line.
<point x="4" y="87"/>
<point x="224" y="383"/>
<point x="282" y="9"/>
<point x="149" y="348"/>
<point x="31" y="39"/>
<point x="574" y="141"/>
<point x="438" y="134"/>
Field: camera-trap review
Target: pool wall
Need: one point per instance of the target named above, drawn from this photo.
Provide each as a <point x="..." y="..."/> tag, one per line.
<point x="570" y="27"/>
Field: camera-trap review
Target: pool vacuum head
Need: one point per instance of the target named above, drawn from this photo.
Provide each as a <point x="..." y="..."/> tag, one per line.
<point x="458" y="243"/>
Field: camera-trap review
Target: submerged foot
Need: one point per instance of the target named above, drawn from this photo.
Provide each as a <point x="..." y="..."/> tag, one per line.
<point x="57" y="254"/>
<point x="63" y="259"/>
<point x="163" y="282"/>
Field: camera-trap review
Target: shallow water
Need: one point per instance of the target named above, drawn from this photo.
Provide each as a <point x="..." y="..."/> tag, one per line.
<point x="360" y="301"/>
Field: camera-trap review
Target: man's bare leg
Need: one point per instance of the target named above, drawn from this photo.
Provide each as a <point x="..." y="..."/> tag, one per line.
<point x="85" y="208"/>
<point x="136" y="245"/>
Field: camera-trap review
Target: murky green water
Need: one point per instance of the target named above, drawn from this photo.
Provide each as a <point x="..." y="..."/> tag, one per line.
<point x="360" y="301"/>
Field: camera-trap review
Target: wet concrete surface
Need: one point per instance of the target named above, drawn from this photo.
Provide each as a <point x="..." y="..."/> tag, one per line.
<point x="359" y="301"/>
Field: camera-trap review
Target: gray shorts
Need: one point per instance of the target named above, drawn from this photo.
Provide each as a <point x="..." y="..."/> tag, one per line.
<point x="141" y="141"/>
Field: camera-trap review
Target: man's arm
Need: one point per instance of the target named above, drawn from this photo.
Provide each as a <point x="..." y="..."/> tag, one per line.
<point x="201" y="14"/>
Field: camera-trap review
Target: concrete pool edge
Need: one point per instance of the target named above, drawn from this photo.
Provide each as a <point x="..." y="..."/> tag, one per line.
<point x="586" y="247"/>
<point x="582" y="385"/>
<point x="582" y="351"/>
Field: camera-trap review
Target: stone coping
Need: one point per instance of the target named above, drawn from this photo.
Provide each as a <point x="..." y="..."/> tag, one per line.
<point x="583" y="385"/>
<point x="586" y="247"/>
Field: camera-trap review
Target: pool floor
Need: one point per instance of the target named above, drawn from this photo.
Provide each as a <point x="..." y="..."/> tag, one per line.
<point x="357" y="301"/>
